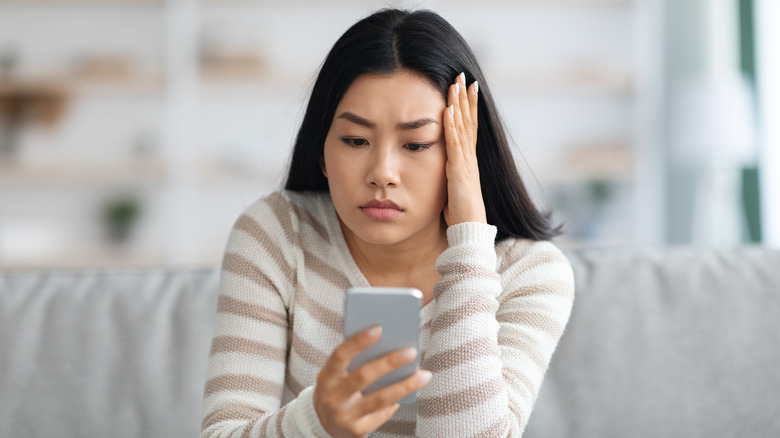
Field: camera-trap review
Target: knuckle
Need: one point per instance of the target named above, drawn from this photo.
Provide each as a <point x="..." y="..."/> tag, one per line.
<point x="362" y="376"/>
<point x="384" y="398"/>
<point x="341" y="353"/>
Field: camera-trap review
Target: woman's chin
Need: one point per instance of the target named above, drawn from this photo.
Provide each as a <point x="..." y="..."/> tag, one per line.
<point x="377" y="236"/>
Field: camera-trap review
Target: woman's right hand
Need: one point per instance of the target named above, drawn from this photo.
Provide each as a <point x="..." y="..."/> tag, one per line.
<point x="341" y="407"/>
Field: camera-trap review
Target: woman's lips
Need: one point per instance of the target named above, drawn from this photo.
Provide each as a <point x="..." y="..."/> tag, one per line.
<point x="381" y="210"/>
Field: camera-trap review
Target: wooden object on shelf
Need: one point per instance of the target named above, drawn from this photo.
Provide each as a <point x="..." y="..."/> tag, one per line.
<point x="27" y="101"/>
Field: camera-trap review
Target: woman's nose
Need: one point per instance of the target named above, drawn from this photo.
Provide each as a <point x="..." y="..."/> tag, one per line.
<point x="384" y="169"/>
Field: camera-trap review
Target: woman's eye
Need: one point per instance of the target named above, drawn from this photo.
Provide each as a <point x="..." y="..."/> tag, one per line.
<point x="355" y="141"/>
<point x="414" y="147"/>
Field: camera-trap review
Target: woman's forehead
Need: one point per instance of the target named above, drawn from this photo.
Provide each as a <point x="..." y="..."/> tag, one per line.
<point x="401" y="96"/>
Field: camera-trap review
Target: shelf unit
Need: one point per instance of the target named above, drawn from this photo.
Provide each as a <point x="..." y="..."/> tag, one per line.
<point x="222" y="132"/>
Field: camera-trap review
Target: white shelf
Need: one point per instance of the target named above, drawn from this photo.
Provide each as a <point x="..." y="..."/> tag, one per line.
<point x="568" y="81"/>
<point x="56" y="174"/>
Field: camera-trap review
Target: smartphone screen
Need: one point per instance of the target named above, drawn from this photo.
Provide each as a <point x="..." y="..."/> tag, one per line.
<point x="397" y="310"/>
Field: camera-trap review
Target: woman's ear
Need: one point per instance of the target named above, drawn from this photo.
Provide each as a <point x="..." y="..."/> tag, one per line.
<point x="322" y="167"/>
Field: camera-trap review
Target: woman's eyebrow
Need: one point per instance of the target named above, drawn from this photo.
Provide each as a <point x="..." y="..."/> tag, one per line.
<point x="354" y="118"/>
<point x="416" y="123"/>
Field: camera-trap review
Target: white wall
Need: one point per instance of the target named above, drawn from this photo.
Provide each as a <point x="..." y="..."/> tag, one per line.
<point x="564" y="74"/>
<point x="767" y="15"/>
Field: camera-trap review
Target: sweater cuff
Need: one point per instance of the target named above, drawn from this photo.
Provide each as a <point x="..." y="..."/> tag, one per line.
<point x="306" y="417"/>
<point x="471" y="233"/>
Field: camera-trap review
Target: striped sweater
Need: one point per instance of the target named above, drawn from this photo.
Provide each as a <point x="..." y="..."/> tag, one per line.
<point x="487" y="336"/>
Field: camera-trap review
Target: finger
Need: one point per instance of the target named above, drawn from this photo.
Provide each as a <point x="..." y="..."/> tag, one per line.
<point x="456" y="90"/>
<point x="451" y="137"/>
<point x="371" y="371"/>
<point x="374" y="420"/>
<point x="392" y="393"/>
<point x="464" y="104"/>
<point x="473" y="106"/>
<point x="339" y="360"/>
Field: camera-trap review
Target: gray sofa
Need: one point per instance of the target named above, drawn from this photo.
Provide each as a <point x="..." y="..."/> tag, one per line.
<point x="663" y="342"/>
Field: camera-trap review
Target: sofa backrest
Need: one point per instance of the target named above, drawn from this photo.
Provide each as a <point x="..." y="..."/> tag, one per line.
<point x="661" y="342"/>
<point x="104" y="353"/>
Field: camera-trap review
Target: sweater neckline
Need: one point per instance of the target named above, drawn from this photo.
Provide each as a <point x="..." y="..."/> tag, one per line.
<point x="336" y="236"/>
<point x="353" y="272"/>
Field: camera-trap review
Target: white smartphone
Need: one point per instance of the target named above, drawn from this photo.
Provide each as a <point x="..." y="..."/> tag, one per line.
<point x="397" y="310"/>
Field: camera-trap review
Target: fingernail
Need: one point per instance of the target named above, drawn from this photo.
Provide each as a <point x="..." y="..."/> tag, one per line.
<point x="424" y="376"/>
<point x="476" y="87"/>
<point x="452" y="110"/>
<point x="374" y="331"/>
<point x="462" y="79"/>
<point x="408" y="353"/>
<point x="457" y="89"/>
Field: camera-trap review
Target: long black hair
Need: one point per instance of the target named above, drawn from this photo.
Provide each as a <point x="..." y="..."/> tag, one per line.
<point x="424" y="42"/>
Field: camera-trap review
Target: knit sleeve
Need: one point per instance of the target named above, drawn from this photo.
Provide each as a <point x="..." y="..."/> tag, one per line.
<point x="493" y="332"/>
<point x="246" y="366"/>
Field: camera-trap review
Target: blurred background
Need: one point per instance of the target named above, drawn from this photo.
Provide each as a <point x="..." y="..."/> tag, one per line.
<point x="134" y="132"/>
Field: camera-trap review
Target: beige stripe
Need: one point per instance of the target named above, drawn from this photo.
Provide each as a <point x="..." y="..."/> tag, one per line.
<point x="325" y="270"/>
<point x="405" y="428"/>
<point x="309" y="220"/>
<point x="514" y="249"/>
<point x="461" y="354"/>
<point x="235" y="344"/>
<point x="534" y="319"/>
<point x="257" y="312"/>
<point x="234" y="413"/>
<point x="251" y="227"/>
<point x="468" y="273"/>
<point x="472" y="306"/>
<point x="243" y="382"/>
<point x="279" y="421"/>
<point x="248" y="428"/>
<point x="459" y="401"/>
<point x="530" y="261"/>
<point x="499" y="428"/>
<point x="292" y="383"/>
<point x="317" y="311"/>
<point x="470" y="270"/>
<point x="520" y="383"/>
<point x="527" y="348"/>
<point x="551" y="287"/>
<point x="514" y="408"/>
<point x="241" y="266"/>
<point x="281" y="210"/>
<point x="308" y="352"/>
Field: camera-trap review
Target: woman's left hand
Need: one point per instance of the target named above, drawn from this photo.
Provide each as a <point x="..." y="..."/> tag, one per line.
<point x="464" y="200"/>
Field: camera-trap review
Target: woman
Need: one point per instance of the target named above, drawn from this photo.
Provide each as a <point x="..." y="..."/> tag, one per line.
<point x="391" y="183"/>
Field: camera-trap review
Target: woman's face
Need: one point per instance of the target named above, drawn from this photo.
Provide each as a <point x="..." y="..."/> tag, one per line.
<point x="384" y="157"/>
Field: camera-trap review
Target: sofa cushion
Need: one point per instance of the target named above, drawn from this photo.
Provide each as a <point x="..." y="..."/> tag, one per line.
<point x="673" y="342"/>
